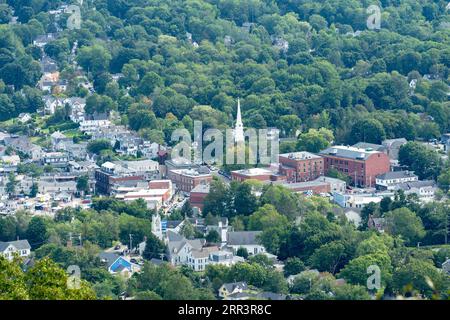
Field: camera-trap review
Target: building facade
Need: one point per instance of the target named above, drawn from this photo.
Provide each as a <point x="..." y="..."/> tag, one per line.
<point x="301" y="166"/>
<point x="361" y="165"/>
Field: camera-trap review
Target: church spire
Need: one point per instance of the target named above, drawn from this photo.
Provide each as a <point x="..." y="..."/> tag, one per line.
<point x="239" y="129"/>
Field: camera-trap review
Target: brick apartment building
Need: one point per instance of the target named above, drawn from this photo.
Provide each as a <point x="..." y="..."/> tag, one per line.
<point x="301" y="166"/>
<point x="198" y="195"/>
<point x="187" y="179"/>
<point x="361" y="165"/>
<point x="111" y="174"/>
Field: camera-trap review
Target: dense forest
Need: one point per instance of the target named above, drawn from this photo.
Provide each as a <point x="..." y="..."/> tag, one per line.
<point x="184" y="60"/>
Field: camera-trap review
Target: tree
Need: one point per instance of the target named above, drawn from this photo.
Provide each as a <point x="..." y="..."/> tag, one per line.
<point x="444" y="180"/>
<point x="355" y="272"/>
<point x="284" y="201"/>
<point x="289" y="124"/>
<point x="418" y="276"/>
<point x="83" y="184"/>
<point x="351" y="292"/>
<point x="245" y="202"/>
<point x="12" y="281"/>
<point x="97" y="146"/>
<point x="405" y="223"/>
<point x="147" y="295"/>
<point x="242" y="252"/>
<point x="153" y="248"/>
<point x="425" y="162"/>
<point x="217" y="202"/>
<point x="293" y="266"/>
<point x="213" y="237"/>
<point x="267" y="217"/>
<point x="149" y="82"/>
<point x="94" y="59"/>
<point x="186" y="210"/>
<point x="315" y="140"/>
<point x="47" y="281"/>
<point x="367" y="130"/>
<point x="100" y="104"/>
<point x="34" y="190"/>
<point x="37" y="232"/>
<point x="188" y="230"/>
<point x="8" y="227"/>
<point x="330" y="257"/>
<point x="5" y="13"/>
<point x="11" y="184"/>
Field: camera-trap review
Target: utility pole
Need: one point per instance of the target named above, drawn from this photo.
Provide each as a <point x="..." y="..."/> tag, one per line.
<point x="131" y="241"/>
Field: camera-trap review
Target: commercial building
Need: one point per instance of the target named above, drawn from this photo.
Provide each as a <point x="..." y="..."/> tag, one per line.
<point x="361" y="165"/>
<point x="110" y="174"/>
<point x="198" y="195"/>
<point x="187" y="179"/>
<point x="388" y="180"/>
<point x="301" y="166"/>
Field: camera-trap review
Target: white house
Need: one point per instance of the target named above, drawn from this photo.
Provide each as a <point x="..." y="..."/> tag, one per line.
<point x="21" y="248"/>
<point x="424" y="189"/>
<point x="231" y="288"/>
<point x="24" y="117"/>
<point x="388" y="180"/>
<point x="91" y="126"/>
<point x="247" y="240"/>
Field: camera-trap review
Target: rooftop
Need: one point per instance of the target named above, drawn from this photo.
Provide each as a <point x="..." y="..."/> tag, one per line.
<point x="200" y="172"/>
<point x="349" y="152"/>
<point x="396" y="175"/>
<point x="302" y="155"/>
<point x="366" y="145"/>
<point x="243" y="238"/>
<point x="254" y="172"/>
<point x="201" y="188"/>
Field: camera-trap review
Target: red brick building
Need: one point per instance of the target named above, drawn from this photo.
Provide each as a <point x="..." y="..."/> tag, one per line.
<point x="187" y="179"/>
<point x="198" y="195"/>
<point x="309" y="187"/>
<point x="361" y="165"/>
<point x="301" y="166"/>
<point x="111" y="175"/>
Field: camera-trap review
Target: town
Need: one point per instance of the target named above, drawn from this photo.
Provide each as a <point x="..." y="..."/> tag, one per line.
<point x="89" y="177"/>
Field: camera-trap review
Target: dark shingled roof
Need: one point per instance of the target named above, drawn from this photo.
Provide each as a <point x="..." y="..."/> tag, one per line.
<point x="396" y="175"/>
<point x="19" y="245"/>
<point x="243" y="238"/>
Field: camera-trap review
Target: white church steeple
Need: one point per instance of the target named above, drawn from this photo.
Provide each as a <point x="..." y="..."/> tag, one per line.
<point x="157" y="226"/>
<point x="239" y="129"/>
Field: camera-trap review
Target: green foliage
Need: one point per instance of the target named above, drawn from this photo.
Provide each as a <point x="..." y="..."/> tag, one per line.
<point x="425" y="162"/>
<point x="37" y="233"/>
<point x="44" y="281"/>
<point x="418" y="276"/>
<point x="315" y="140"/>
<point x="242" y="252"/>
<point x="97" y="146"/>
<point x="405" y="223"/>
<point x="153" y="248"/>
<point x="266" y="217"/>
<point x="213" y="237"/>
<point x="168" y="283"/>
<point x="293" y="266"/>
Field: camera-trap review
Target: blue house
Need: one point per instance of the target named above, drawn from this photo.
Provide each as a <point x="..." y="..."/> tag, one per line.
<point x="117" y="264"/>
